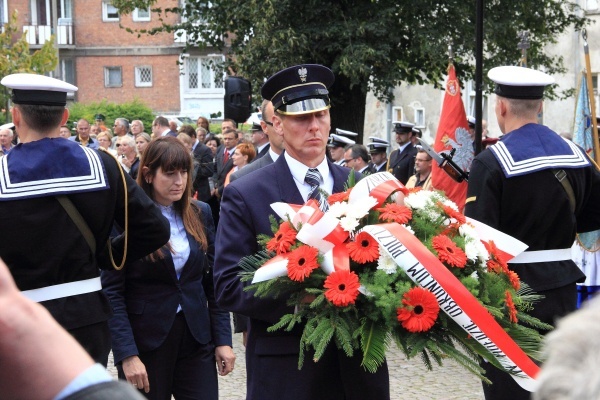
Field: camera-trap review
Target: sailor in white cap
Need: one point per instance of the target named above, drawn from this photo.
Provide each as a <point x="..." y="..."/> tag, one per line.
<point x="337" y="145"/>
<point x="378" y="149"/>
<point x="402" y="160"/>
<point x="300" y="97"/>
<point x="539" y="188"/>
<point x="59" y="202"/>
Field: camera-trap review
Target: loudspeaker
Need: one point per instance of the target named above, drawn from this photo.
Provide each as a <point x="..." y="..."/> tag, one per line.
<point x="238" y="99"/>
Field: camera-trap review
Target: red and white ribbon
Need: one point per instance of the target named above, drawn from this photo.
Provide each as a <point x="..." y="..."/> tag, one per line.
<point x="454" y="299"/>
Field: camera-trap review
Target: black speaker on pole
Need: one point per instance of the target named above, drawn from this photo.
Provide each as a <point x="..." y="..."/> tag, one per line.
<point x="238" y="99"/>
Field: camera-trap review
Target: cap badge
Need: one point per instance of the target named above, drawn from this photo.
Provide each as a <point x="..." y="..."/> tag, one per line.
<point x="302" y="73"/>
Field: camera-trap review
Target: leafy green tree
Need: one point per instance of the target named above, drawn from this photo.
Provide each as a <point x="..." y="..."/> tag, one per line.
<point x="369" y="44"/>
<point x="15" y="57"/>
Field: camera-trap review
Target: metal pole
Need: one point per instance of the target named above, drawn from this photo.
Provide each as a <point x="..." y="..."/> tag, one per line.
<point x="590" y="89"/>
<point x="55" y="33"/>
<point x="478" y="75"/>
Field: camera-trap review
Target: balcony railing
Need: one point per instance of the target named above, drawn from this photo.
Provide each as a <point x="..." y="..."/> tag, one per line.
<point x="39" y="34"/>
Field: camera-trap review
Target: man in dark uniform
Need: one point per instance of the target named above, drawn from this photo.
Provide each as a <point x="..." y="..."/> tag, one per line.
<point x="378" y="149"/>
<point x="300" y="98"/>
<point x="58" y="203"/>
<point x="337" y="145"/>
<point x="540" y="189"/>
<point x="402" y="160"/>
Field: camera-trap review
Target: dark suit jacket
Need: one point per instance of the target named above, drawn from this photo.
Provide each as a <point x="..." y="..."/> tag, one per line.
<point x="221" y="170"/>
<point x="402" y="165"/>
<point x="262" y="153"/>
<point x="145" y="296"/>
<point x="272" y="358"/>
<point x="203" y="155"/>
<point x="261" y="162"/>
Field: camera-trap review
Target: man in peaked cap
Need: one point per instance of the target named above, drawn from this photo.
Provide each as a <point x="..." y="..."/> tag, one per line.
<point x="260" y="140"/>
<point x="336" y="145"/>
<point x="54" y="259"/>
<point x="300" y="99"/>
<point x="402" y="160"/>
<point x="513" y="184"/>
<point x="378" y="150"/>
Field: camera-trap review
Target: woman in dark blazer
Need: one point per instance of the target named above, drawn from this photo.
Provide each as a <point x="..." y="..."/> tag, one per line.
<point x="167" y="332"/>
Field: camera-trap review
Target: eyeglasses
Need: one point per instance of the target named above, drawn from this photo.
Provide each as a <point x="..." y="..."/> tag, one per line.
<point x="268" y="123"/>
<point x="347" y="161"/>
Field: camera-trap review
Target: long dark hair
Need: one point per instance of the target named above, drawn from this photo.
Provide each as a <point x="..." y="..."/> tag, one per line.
<point x="169" y="154"/>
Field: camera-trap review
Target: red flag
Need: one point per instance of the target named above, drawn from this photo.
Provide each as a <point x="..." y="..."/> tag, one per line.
<point x="453" y="133"/>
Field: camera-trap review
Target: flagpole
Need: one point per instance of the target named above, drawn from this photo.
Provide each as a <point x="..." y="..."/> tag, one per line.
<point x="590" y="89"/>
<point x="478" y="75"/>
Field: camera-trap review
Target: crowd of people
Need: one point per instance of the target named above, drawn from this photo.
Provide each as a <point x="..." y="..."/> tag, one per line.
<point x="167" y="216"/>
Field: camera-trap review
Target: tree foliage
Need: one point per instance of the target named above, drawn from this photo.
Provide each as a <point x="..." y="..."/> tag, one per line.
<point x="370" y="44"/>
<point x="15" y="56"/>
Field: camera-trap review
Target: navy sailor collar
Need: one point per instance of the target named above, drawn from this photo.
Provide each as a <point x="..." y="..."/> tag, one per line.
<point x="50" y="167"/>
<point x="535" y="147"/>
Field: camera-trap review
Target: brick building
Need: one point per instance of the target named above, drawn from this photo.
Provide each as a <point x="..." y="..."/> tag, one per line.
<point x="108" y="63"/>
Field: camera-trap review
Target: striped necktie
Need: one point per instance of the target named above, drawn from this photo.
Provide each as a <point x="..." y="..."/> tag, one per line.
<point x="313" y="178"/>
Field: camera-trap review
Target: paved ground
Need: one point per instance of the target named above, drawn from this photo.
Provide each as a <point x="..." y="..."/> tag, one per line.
<point x="409" y="380"/>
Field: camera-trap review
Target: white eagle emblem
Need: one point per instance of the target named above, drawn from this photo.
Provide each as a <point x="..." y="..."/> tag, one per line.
<point x="302" y="73"/>
<point x="463" y="156"/>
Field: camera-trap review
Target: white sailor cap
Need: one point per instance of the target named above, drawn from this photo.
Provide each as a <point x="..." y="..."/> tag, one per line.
<point x="519" y="82"/>
<point x="378" y="145"/>
<point x="37" y="89"/>
<point x="339" y="141"/>
<point x="10" y="126"/>
<point x="471" y="121"/>
<point x="346" y="133"/>
<point x="403" y="126"/>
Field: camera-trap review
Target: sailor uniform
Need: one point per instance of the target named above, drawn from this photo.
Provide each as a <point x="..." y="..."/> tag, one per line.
<point x="43" y="247"/>
<point x="513" y="188"/>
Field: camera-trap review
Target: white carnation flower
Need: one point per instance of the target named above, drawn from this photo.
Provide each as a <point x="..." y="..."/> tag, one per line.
<point x="471" y="250"/>
<point x="338" y="209"/>
<point x="451" y="204"/>
<point x="359" y="209"/>
<point x="468" y="232"/>
<point x="348" y="224"/>
<point x="386" y="263"/>
<point x="417" y="200"/>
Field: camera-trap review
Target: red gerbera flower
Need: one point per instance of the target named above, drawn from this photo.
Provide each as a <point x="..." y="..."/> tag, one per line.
<point x="337" y="197"/>
<point x="510" y="305"/>
<point x="283" y="240"/>
<point x="301" y="262"/>
<point x="496" y="262"/>
<point x="363" y="249"/>
<point x="342" y="287"/>
<point x="395" y="213"/>
<point x="452" y="213"/>
<point x="449" y="252"/>
<point x="514" y="279"/>
<point x="420" y="310"/>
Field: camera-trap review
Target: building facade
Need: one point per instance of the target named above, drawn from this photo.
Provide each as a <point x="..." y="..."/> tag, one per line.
<point x="106" y="62"/>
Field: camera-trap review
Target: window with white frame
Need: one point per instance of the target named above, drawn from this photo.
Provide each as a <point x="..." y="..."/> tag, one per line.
<point x="143" y="76"/>
<point x="201" y="75"/>
<point x="109" y="12"/>
<point x="397" y="114"/>
<point x="141" y="15"/>
<point x="3" y="13"/>
<point x="113" y="77"/>
<point x="591" y="5"/>
<point x="420" y="117"/>
<point x="470" y="98"/>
